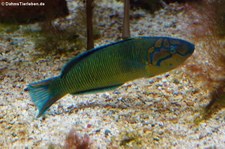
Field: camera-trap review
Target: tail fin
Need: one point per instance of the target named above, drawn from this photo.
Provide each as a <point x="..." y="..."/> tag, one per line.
<point x="43" y="95"/>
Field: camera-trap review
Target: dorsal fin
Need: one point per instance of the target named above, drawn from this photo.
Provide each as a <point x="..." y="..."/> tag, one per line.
<point x="84" y="55"/>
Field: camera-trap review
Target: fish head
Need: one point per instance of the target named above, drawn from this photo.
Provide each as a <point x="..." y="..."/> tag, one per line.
<point x="167" y="54"/>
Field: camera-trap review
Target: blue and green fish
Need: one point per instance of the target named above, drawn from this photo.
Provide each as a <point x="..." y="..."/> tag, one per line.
<point x="110" y="66"/>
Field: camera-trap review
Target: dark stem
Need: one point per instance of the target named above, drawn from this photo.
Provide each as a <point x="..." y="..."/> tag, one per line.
<point x="126" y="19"/>
<point x="89" y="14"/>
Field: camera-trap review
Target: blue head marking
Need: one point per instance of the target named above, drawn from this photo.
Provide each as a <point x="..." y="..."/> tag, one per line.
<point x="166" y="48"/>
<point x="173" y="49"/>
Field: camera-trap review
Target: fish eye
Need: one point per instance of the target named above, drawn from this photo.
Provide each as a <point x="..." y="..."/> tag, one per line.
<point x="173" y="49"/>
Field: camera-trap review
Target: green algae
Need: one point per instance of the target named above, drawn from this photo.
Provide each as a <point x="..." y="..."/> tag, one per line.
<point x="8" y="28"/>
<point x="50" y="40"/>
<point x="128" y="139"/>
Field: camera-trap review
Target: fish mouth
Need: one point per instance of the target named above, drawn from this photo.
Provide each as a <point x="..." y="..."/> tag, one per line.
<point x="192" y="48"/>
<point x="187" y="50"/>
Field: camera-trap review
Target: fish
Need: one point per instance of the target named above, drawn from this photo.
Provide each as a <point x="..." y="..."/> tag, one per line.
<point x="110" y="66"/>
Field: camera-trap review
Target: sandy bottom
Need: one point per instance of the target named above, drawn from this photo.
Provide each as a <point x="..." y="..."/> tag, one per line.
<point x="160" y="112"/>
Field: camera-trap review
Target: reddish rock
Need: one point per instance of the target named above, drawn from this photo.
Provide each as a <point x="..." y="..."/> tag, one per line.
<point x="30" y="11"/>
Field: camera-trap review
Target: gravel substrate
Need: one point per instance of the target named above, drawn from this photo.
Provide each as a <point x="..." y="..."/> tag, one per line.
<point x="158" y="112"/>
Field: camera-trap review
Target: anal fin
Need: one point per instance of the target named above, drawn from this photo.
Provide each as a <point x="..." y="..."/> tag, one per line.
<point x="97" y="90"/>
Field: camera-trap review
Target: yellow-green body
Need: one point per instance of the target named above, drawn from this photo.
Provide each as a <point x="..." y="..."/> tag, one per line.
<point x="110" y="66"/>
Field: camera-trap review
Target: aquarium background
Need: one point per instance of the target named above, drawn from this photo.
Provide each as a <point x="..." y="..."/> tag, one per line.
<point x="183" y="108"/>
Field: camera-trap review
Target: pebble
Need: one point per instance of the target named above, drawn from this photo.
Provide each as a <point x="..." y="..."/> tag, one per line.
<point x="170" y="24"/>
<point x="2" y="45"/>
<point x="107" y="132"/>
<point x="151" y="81"/>
<point x="120" y="99"/>
<point x="17" y="41"/>
<point x="105" y="95"/>
<point x="167" y="75"/>
<point x="160" y="84"/>
<point x="117" y="92"/>
<point x="14" y="134"/>
<point x="176" y="81"/>
<point x="164" y="80"/>
<point x="138" y="15"/>
<point x="102" y="24"/>
<point x="89" y="125"/>
<point x="176" y="92"/>
<point x="160" y="124"/>
<point x="98" y="130"/>
<point x="156" y="139"/>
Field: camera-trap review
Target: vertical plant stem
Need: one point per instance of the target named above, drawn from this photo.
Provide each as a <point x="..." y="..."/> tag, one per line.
<point x="126" y="20"/>
<point x="89" y="16"/>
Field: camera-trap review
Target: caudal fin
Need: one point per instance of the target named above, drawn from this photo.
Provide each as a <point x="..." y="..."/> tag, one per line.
<point x="43" y="94"/>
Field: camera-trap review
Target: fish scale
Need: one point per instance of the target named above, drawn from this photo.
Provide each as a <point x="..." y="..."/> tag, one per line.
<point x="109" y="66"/>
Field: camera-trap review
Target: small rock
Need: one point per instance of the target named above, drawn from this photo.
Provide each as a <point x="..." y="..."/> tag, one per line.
<point x="167" y="75"/>
<point x="170" y="24"/>
<point x="156" y="139"/>
<point x="160" y="124"/>
<point x="107" y="132"/>
<point x="164" y="80"/>
<point x="98" y="130"/>
<point x="89" y="125"/>
<point x="14" y="134"/>
<point x="117" y="92"/>
<point x="176" y="92"/>
<point x="102" y="24"/>
<point x="160" y="84"/>
<point x="17" y="41"/>
<point x="176" y="81"/>
<point x="120" y="98"/>
<point x="105" y="95"/>
<point x="189" y="103"/>
<point x="151" y="81"/>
